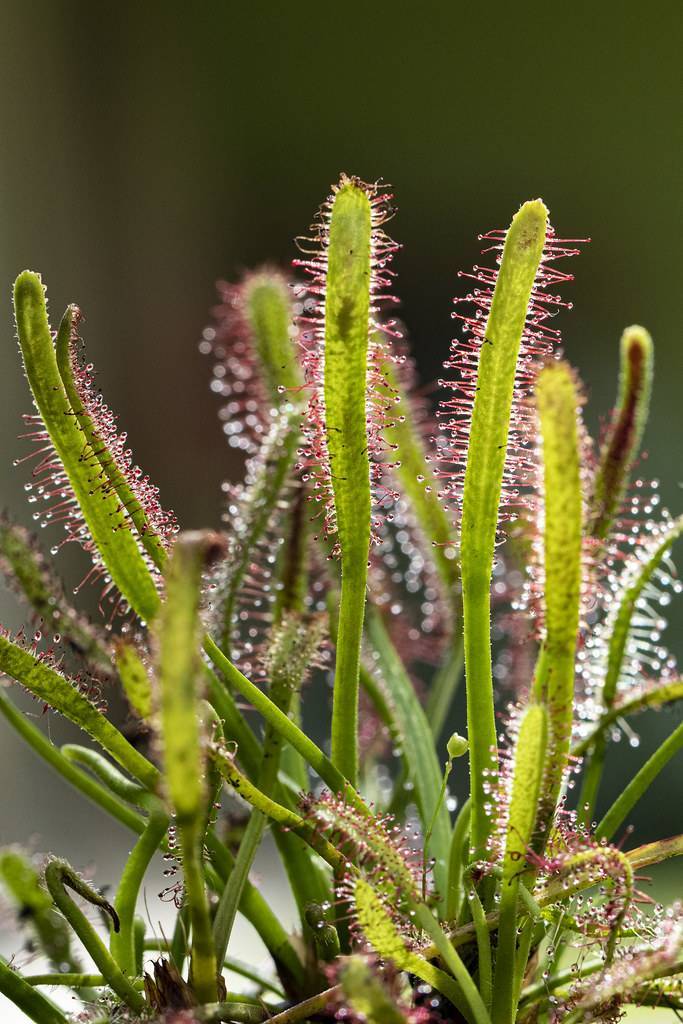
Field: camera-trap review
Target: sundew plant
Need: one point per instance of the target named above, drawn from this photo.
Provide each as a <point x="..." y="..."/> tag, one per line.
<point x="377" y="551"/>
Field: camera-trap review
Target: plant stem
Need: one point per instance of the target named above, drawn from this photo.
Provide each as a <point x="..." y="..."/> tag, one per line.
<point x="456" y="862"/>
<point x="418" y="744"/>
<point x="665" y="694"/>
<point x="83" y="782"/>
<point x="253" y="906"/>
<point x="35" y="1005"/>
<point x="475" y="1009"/>
<point x="63" y="695"/>
<point x="639" y="784"/>
<point x="308" y="1008"/>
<point x="276" y="812"/>
<point x="122" y="941"/>
<point x="59" y="875"/>
<point x="311" y="753"/>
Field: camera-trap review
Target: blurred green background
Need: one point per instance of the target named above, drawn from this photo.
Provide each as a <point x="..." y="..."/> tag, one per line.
<point x="149" y="148"/>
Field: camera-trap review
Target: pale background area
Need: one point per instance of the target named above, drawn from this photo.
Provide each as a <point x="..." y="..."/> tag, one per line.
<point x="148" y="149"/>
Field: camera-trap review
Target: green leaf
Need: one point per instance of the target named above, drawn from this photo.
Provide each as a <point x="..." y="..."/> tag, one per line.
<point x="557" y="404"/>
<point x="419" y="484"/>
<point x="366" y="995"/>
<point x="347" y="304"/>
<point x="60" y="693"/>
<point x="111" y="477"/>
<point x="122" y="939"/>
<point x="179" y="670"/>
<point x="527" y="779"/>
<point x="267" y="301"/>
<point x="382" y="933"/>
<point x="639" y="784"/>
<point x="625" y="431"/>
<point x="293" y="644"/>
<point x="640" y="575"/>
<point x="101" y="508"/>
<point x="59" y="875"/>
<point x="638" y="572"/>
<point x="483" y="482"/>
<point x="25" y="565"/>
<point x="418" y="746"/>
<point x="35" y="1005"/>
<point x="135" y="680"/>
<point x="23" y="885"/>
<point x="470" y="1004"/>
<point x="249" y="517"/>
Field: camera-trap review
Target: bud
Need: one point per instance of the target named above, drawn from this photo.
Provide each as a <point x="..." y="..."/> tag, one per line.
<point x="457" y="745"/>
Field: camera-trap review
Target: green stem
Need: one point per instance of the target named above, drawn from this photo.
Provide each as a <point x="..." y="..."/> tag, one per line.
<point x="311" y="753"/>
<point x="456" y="862"/>
<point x="346" y="675"/>
<point x="122" y="787"/>
<point x="639" y="784"/>
<point x="276" y="812"/>
<point x="83" y="782"/>
<point x="253" y="906"/>
<point x="122" y="940"/>
<point x="259" y="914"/>
<point x="540" y="990"/>
<point x="417" y="741"/>
<point x="637" y="579"/>
<point x="235" y="728"/>
<point x="483" y="946"/>
<point x="35" y="1005"/>
<point x="179" y="674"/>
<point x="655" y="698"/>
<point x="69" y="979"/>
<point x="527" y="780"/>
<point x="238" y="1012"/>
<point x="203" y="962"/>
<point x="59" y="875"/>
<point x="475" y="1009"/>
<point x="292" y="644"/>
